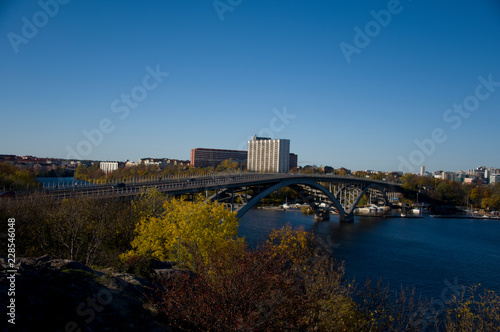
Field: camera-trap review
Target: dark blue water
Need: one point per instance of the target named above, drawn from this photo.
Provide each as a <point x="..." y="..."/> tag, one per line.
<point x="430" y="254"/>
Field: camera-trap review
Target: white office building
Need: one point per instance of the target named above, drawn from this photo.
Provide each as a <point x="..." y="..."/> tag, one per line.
<point x="494" y="178"/>
<point x="108" y="166"/>
<point x="268" y="155"/>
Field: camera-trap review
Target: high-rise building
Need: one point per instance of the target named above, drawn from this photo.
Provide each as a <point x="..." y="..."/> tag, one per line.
<point x="422" y="170"/>
<point x="494" y="178"/>
<point x="201" y="157"/>
<point x="268" y="155"/>
<point x="109" y="166"/>
<point x="294" y="160"/>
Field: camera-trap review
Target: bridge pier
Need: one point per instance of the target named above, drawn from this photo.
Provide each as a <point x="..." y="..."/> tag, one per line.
<point x="347" y="218"/>
<point x="324" y="216"/>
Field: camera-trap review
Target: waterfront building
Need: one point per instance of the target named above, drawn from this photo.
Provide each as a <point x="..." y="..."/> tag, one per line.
<point x="201" y="157"/>
<point x="268" y="155"/>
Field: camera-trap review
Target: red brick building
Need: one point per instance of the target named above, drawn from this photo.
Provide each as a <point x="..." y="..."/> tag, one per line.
<point x="201" y="157"/>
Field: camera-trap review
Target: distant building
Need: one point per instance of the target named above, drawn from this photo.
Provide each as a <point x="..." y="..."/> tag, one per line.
<point x="344" y="171"/>
<point x="158" y="162"/>
<point x="479" y="172"/>
<point x="448" y="176"/>
<point x="438" y="174"/>
<point x="460" y="176"/>
<point x="472" y="180"/>
<point x="131" y="164"/>
<point x="269" y="155"/>
<point x="494" y="170"/>
<point x="109" y="166"/>
<point x="494" y="178"/>
<point x="422" y="170"/>
<point x="201" y="157"/>
<point x="176" y="162"/>
<point x="162" y="163"/>
<point x="326" y="169"/>
<point x="294" y="160"/>
<point x="41" y="167"/>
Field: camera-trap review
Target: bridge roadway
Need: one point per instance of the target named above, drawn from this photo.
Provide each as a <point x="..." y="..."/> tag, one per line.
<point x="342" y="196"/>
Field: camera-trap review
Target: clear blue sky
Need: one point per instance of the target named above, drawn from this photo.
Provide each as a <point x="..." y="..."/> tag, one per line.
<point x="290" y="69"/>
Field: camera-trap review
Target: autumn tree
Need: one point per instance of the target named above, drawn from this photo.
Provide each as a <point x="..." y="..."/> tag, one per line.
<point x="449" y="192"/>
<point x="90" y="173"/>
<point x="148" y="204"/>
<point x="475" y="196"/>
<point x="12" y="177"/>
<point x="184" y="229"/>
<point x="87" y="229"/>
<point x="227" y="165"/>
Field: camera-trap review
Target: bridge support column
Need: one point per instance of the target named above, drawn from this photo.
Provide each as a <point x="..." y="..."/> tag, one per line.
<point x="232" y="200"/>
<point x="322" y="216"/>
<point x="347" y="218"/>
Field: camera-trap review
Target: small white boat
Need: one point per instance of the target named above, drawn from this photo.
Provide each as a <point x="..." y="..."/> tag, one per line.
<point x="376" y="208"/>
<point x="285" y="205"/>
<point x="363" y="210"/>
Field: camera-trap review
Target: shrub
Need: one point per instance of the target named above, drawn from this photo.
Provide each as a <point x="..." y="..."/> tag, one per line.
<point x="267" y="288"/>
<point x="474" y="312"/>
<point x="139" y="265"/>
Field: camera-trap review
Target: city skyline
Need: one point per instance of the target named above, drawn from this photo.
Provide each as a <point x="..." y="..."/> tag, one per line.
<point x="478" y="171"/>
<point x="384" y="85"/>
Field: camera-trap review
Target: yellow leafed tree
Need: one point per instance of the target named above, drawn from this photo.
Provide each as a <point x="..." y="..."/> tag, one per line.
<point x="183" y="229"/>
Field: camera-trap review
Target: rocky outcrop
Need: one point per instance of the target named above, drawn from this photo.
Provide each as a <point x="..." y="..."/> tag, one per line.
<point x="65" y="295"/>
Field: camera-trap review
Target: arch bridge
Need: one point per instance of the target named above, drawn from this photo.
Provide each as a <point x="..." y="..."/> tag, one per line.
<point x="323" y="193"/>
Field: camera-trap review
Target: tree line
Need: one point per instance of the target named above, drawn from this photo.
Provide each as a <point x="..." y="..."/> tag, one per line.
<point x="14" y="178"/>
<point x="455" y="193"/>
<point x="93" y="173"/>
